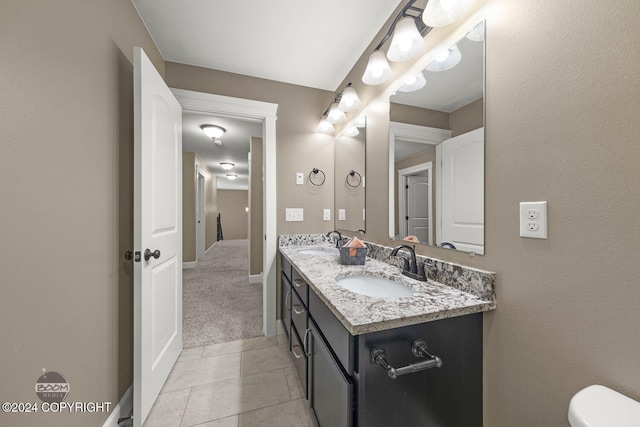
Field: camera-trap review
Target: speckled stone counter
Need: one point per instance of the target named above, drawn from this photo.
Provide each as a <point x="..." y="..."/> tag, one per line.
<point x="318" y="263"/>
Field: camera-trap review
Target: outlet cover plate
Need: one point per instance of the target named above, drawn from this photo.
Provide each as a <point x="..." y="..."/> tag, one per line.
<point x="533" y="220"/>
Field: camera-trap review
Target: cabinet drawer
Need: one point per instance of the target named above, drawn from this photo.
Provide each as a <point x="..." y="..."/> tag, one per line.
<point x="338" y="338"/>
<point x="299" y="358"/>
<point x="299" y="314"/>
<point x="286" y="267"/>
<point x="300" y="286"/>
<point x="285" y="303"/>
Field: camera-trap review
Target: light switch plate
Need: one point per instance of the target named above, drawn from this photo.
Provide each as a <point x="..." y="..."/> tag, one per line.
<point x="294" y="214"/>
<point x="533" y="220"/>
<point x="342" y="214"/>
<point x="299" y="178"/>
<point x="326" y="215"/>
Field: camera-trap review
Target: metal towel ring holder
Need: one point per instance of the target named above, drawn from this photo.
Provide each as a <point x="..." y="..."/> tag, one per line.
<point x="353" y="173"/>
<point x="315" y="172"/>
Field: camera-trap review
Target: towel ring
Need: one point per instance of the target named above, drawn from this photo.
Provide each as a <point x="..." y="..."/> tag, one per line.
<point x="353" y="173"/>
<point x="315" y="172"/>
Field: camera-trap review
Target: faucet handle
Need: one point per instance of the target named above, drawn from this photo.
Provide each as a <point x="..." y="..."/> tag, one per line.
<point x="424" y="267"/>
<point x="405" y="262"/>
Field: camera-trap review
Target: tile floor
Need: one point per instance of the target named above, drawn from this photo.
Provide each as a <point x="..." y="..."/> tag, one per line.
<point x="244" y="383"/>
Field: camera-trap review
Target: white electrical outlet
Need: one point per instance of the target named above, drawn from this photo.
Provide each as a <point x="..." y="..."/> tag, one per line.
<point x="326" y="215"/>
<point x="342" y="215"/>
<point x="294" y="214"/>
<point x="299" y="178"/>
<point x="533" y="220"/>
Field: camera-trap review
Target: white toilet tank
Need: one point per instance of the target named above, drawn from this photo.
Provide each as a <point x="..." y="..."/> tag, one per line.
<point x="599" y="406"/>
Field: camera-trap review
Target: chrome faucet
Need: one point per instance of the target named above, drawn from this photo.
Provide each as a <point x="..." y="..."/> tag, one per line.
<point x="339" y="236"/>
<point x="410" y="268"/>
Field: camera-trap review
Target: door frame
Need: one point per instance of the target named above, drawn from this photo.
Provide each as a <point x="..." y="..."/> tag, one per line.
<point x="403" y="174"/>
<point x="200" y="215"/>
<point x="265" y="113"/>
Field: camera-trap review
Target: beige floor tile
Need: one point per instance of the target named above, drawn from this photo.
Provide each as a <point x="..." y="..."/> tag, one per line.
<point x="265" y="359"/>
<point x="238" y="346"/>
<point x="191" y="353"/>
<point x="168" y="409"/>
<point x="224" y="422"/>
<point x="295" y="385"/>
<point x="292" y="413"/>
<point x="234" y="396"/>
<point x="203" y="371"/>
<point x="282" y="339"/>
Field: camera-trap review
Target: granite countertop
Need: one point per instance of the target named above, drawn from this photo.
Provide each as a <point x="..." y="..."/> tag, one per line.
<point x="362" y="314"/>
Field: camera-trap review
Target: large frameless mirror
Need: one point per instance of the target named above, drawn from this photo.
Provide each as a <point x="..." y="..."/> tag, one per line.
<point x="349" y="179"/>
<point x="436" y="166"/>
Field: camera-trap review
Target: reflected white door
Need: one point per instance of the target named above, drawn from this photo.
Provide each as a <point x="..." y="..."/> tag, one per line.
<point x="418" y="207"/>
<point x="463" y="191"/>
<point x="200" y="220"/>
<point x="157" y="228"/>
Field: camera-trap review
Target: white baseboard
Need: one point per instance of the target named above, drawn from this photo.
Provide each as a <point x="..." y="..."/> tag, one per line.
<point x="123" y="409"/>
<point x="255" y="278"/>
<point x="192" y="264"/>
<point x="211" y="247"/>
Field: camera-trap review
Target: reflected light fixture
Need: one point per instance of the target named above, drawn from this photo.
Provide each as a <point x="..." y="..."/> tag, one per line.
<point x="350" y="132"/>
<point x="360" y="122"/>
<point x="439" y="13"/>
<point x="325" y="127"/>
<point x="445" y="59"/>
<point x="213" y="131"/>
<point x="232" y="176"/>
<point x="349" y="101"/>
<point x="407" y="42"/>
<point x="226" y="165"/>
<point x="477" y="33"/>
<point x="336" y="115"/>
<point x="413" y="83"/>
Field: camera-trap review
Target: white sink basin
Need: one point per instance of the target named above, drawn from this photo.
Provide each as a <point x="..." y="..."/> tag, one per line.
<point x="374" y="286"/>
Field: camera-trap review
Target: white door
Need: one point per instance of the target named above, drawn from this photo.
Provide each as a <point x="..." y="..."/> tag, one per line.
<point x="418" y="207"/>
<point x="200" y="220"/>
<point x="462" y="210"/>
<point x="158" y="229"/>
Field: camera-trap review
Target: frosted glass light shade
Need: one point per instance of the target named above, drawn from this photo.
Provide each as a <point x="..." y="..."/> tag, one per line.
<point x="407" y="42"/>
<point x="350" y="100"/>
<point x="226" y="166"/>
<point x="446" y="62"/>
<point x="414" y="83"/>
<point x="360" y="122"/>
<point x="477" y="33"/>
<point x="378" y="70"/>
<point x="213" y="131"/>
<point x="336" y="115"/>
<point x="325" y="127"/>
<point x="232" y="176"/>
<point x="350" y="132"/>
<point x="439" y="13"/>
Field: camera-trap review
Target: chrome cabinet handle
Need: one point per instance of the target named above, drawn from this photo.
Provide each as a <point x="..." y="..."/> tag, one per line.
<point x="298" y="282"/>
<point x="296" y="355"/>
<point x="148" y="254"/>
<point x="296" y="311"/>
<point x="304" y="342"/>
<point x="288" y="300"/>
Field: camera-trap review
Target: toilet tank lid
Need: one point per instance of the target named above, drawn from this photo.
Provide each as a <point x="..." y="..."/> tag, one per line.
<point x="599" y="406"/>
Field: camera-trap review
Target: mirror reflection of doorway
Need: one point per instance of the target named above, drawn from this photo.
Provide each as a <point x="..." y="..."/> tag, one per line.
<point x="416" y="209"/>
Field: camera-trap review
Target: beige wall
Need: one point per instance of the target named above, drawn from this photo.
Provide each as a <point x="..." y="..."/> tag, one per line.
<point x="467" y="118"/>
<point x="189" y="205"/>
<point x="66" y="184"/>
<point x="561" y="126"/>
<point x="418" y="116"/>
<point x="255" y="208"/>
<point x="232" y="206"/>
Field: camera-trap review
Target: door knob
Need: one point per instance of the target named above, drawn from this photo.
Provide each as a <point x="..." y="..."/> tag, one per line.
<point x="148" y="254"/>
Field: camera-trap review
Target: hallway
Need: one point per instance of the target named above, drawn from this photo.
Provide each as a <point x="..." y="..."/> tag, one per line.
<point x="219" y="303"/>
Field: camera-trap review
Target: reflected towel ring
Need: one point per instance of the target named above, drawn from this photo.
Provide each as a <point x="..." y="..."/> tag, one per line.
<point x="314" y="172"/>
<point x="353" y="173"/>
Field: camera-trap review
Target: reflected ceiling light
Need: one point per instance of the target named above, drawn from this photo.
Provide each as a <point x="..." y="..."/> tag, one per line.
<point x="446" y="59"/>
<point x="349" y="101"/>
<point x="213" y="131"/>
<point x="336" y="115"/>
<point x="477" y="33"/>
<point x="361" y="122"/>
<point x="413" y="83"/>
<point x="226" y="165"/>
<point x="378" y="70"/>
<point x="439" y="13"/>
<point x="351" y="131"/>
<point x="325" y="127"/>
<point x="232" y="176"/>
<point x="407" y="42"/>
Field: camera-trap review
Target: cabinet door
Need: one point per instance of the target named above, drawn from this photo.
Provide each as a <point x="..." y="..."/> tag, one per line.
<point x="285" y="304"/>
<point x="330" y="391"/>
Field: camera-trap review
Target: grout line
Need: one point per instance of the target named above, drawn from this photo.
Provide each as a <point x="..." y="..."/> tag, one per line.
<point x="185" y="406"/>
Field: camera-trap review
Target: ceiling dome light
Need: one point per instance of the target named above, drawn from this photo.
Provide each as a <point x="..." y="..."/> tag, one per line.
<point x="477" y="33"/>
<point x="413" y="83"/>
<point x="407" y="42"/>
<point x="336" y="115"/>
<point x="439" y="13"/>
<point x="226" y="165"/>
<point x="349" y="101"/>
<point x="213" y="131"/>
<point x="232" y="176"/>
<point x="378" y="70"/>
<point x="446" y="59"/>
<point x="325" y="127"/>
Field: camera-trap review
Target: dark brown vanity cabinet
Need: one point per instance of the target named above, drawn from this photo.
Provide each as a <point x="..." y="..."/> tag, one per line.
<point x="345" y="389"/>
<point x="285" y="297"/>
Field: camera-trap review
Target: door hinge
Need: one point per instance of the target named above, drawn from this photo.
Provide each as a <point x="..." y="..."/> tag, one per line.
<point x="136" y="257"/>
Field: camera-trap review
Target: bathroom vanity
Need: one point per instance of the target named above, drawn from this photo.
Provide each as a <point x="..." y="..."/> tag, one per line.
<point x="414" y="360"/>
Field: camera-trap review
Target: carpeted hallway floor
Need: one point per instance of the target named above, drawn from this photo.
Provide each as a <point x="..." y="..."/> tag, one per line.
<point x="219" y="303"/>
